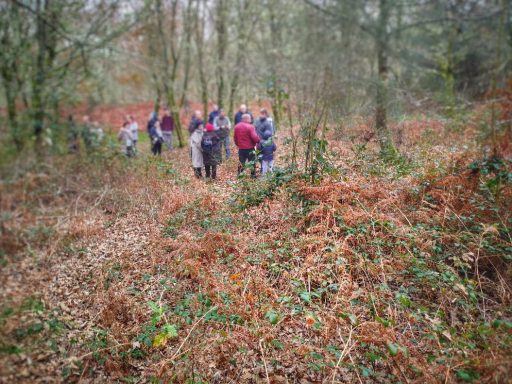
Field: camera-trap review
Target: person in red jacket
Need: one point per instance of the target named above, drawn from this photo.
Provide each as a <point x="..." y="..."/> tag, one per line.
<point x="246" y="139"/>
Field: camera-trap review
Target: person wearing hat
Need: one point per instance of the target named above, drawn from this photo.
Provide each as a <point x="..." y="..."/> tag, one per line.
<point x="210" y="145"/>
<point x="263" y="123"/>
<point x="267" y="147"/>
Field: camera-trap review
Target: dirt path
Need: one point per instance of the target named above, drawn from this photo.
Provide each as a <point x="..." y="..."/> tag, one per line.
<point x="74" y="288"/>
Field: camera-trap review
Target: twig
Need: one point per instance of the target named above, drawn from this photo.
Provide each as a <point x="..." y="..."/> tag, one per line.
<point x="69" y="360"/>
<point x="246" y="285"/>
<point x="264" y="362"/>
<point x="343" y="354"/>
<point x="357" y="373"/>
<point x="184" y="341"/>
<point x="83" y="371"/>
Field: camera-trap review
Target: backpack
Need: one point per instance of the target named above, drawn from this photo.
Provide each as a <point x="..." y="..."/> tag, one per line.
<point x="207" y="144"/>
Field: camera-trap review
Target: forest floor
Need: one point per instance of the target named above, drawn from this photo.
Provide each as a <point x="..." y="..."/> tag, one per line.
<point x="131" y="270"/>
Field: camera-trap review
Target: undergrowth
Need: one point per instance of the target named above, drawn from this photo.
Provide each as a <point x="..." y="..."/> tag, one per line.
<point x="377" y="272"/>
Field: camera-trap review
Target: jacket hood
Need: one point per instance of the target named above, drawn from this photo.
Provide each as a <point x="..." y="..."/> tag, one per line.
<point x="266" y="135"/>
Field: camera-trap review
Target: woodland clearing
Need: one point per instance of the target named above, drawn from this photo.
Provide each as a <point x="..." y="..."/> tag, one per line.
<point x="133" y="271"/>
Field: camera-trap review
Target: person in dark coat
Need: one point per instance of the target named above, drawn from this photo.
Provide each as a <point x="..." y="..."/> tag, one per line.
<point x="263" y="123"/>
<point x="73" y="135"/>
<point x="267" y="147"/>
<point x="153" y="118"/>
<point x="167" y="126"/>
<point x="210" y="145"/>
<point x="156" y="137"/>
<point x="242" y="111"/>
<point x="213" y="114"/>
<point x="222" y="126"/>
<point x="195" y="121"/>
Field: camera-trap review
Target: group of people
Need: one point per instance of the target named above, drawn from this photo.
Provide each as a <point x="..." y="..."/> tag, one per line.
<point x="210" y="141"/>
<point x="90" y="131"/>
<point x="253" y="138"/>
<point x="160" y="131"/>
<point x="129" y="136"/>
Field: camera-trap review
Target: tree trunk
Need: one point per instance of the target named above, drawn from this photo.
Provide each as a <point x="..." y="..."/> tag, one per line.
<point x="40" y="75"/>
<point x="200" y="58"/>
<point x="221" y="50"/>
<point x="495" y="77"/>
<point x="169" y="78"/>
<point x="387" y="148"/>
<point x="275" y="33"/>
<point x="188" y="46"/>
<point x="12" y="116"/>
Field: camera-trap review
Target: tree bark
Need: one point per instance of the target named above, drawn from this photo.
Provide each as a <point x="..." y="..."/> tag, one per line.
<point x="40" y="74"/>
<point x="200" y="58"/>
<point x="169" y="78"/>
<point x="221" y="49"/>
<point x="387" y="147"/>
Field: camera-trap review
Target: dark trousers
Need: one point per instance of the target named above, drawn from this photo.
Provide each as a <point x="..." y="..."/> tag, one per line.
<point x="211" y="171"/>
<point x="157" y="148"/>
<point x="244" y="156"/>
<point x="197" y="173"/>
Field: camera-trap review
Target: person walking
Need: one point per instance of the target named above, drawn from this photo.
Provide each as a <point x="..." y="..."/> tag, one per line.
<point x="245" y="138"/>
<point x="194" y="121"/>
<point x="155" y="135"/>
<point x="213" y="114"/>
<point x="167" y="128"/>
<point x="125" y="137"/>
<point x="195" y="149"/>
<point x="210" y="145"/>
<point x="86" y="132"/>
<point x="153" y="119"/>
<point x="222" y="126"/>
<point x="73" y="135"/>
<point x="267" y="147"/>
<point x="134" y="131"/>
<point x="263" y="123"/>
<point x="238" y="116"/>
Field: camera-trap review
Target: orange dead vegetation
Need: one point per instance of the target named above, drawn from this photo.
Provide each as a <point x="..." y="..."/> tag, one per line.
<point x="137" y="271"/>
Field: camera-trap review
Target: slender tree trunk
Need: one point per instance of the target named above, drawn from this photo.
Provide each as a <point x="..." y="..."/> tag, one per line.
<point x="12" y="115"/>
<point x="40" y="74"/>
<point x="275" y="33"/>
<point x="188" y="46"/>
<point x="495" y="78"/>
<point x="221" y="49"/>
<point x="387" y="147"/>
<point x="169" y="78"/>
<point x="242" y="34"/>
<point x="158" y="93"/>
<point x="200" y="58"/>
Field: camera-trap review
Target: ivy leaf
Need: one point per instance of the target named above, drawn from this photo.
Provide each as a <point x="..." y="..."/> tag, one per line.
<point x="277" y="344"/>
<point x="306" y="296"/>
<point x="272" y="316"/>
<point x="392" y="348"/>
<point x="350" y="316"/>
<point x="467" y="375"/>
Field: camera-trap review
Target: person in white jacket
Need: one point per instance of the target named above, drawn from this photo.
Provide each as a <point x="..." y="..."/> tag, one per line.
<point x="125" y="137"/>
<point x="134" y="130"/>
<point x="195" y="149"/>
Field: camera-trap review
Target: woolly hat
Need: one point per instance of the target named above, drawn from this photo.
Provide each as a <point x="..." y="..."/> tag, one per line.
<point x="209" y="127"/>
<point x="266" y="134"/>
